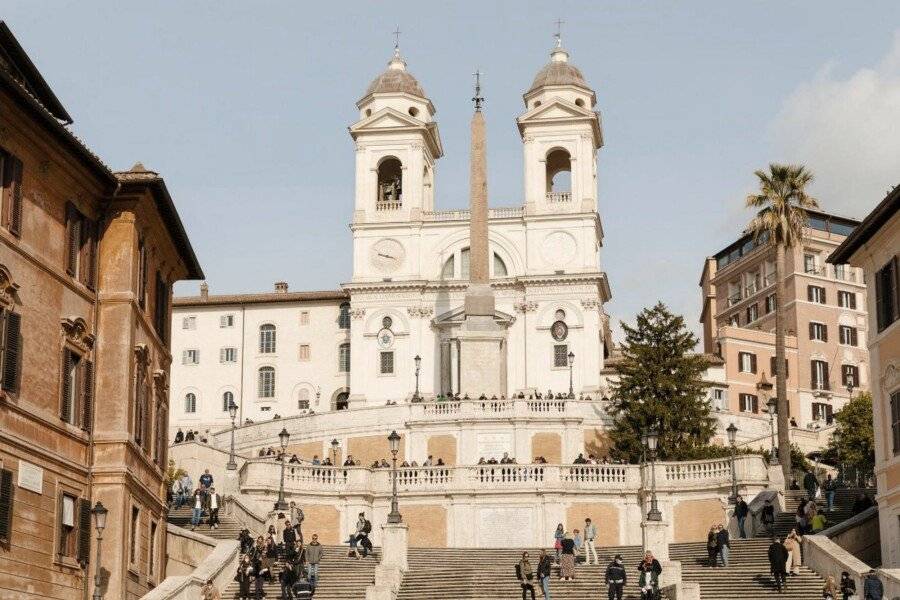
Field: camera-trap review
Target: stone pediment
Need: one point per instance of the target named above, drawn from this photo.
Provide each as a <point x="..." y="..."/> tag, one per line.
<point x="389" y="119"/>
<point x="557" y="109"/>
<point x="457" y="316"/>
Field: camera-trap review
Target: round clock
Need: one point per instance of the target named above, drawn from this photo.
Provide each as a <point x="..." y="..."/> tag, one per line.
<point x="387" y="255"/>
<point x="559" y="331"/>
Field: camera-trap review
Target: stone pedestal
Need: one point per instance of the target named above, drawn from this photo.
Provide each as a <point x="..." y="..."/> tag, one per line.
<point x="482" y="354"/>
<point x="389" y="572"/>
<point x="655" y="538"/>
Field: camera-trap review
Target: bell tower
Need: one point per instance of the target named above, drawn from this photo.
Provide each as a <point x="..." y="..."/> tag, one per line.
<point x="397" y="145"/>
<point x="561" y="134"/>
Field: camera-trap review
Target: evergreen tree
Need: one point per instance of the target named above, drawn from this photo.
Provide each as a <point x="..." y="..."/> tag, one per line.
<point x="660" y="385"/>
<point x="856" y="449"/>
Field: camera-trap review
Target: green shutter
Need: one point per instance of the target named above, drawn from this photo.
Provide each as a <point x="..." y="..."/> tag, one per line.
<point x="84" y="531"/>
<point x="87" y="395"/>
<point x="65" y="404"/>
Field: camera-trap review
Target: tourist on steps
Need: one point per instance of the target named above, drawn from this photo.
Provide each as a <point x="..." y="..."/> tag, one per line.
<point x="209" y="591"/>
<point x="872" y="587"/>
<point x="543" y="573"/>
<point x="287" y="578"/>
<point x="793" y="543"/>
<point x="830" y="589"/>
<point x="243" y="577"/>
<point x="741" y="510"/>
<point x="557" y="543"/>
<point x="848" y="586"/>
<point x="579" y="544"/>
<point x="590" y="534"/>
<point x="197" y="511"/>
<point x="525" y="575"/>
<point x="811" y="484"/>
<point x="567" y="558"/>
<point x="363" y="529"/>
<point x="648" y="581"/>
<point x="778" y="559"/>
<point x="830" y="487"/>
<point x="723" y="544"/>
<point x="768" y="517"/>
<point x="712" y="547"/>
<point x="313" y="558"/>
<point x="616" y="578"/>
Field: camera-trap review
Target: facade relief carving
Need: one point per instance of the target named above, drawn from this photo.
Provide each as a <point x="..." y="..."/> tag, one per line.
<point x="420" y="312"/>
<point x="77" y="334"/>
<point x="357" y="313"/>
<point x="525" y="306"/>
<point x="8" y="288"/>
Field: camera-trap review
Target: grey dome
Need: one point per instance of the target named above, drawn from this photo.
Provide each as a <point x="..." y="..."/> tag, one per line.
<point x="558" y="72"/>
<point x="396" y="79"/>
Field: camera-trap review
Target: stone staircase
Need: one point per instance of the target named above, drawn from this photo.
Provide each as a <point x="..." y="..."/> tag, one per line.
<point x="747" y="575"/>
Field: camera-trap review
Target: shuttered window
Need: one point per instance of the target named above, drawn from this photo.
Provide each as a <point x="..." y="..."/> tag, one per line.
<point x="87" y="395"/>
<point x="848" y="335"/>
<point x="819" y="375"/>
<point x="850" y="375"/>
<point x="818" y="331"/>
<point x="847" y="300"/>
<point x="67" y="530"/>
<point x="822" y="412"/>
<point x="69" y="393"/>
<point x="10" y="341"/>
<point x="895" y="422"/>
<point x="142" y="274"/>
<point x="815" y="293"/>
<point x="747" y="362"/>
<point x="11" y="187"/>
<point x="84" y="531"/>
<point x="161" y="308"/>
<point x="749" y="403"/>
<point x="887" y="302"/>
<point x="81" y="246"/>
<point x="6" y="506"/>
<point x="773" y="367"/>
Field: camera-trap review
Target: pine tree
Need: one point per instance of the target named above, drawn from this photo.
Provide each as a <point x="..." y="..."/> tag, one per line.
<point x="660" y="385"/>
<point x="856" y="449"/>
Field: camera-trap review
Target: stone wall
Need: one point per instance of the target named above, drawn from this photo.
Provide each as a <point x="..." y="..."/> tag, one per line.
<point x="692" y="518"/>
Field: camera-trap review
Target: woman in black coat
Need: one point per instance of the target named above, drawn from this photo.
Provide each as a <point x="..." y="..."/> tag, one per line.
<point x="244" y="577"/>
<point x="712" y="546"/>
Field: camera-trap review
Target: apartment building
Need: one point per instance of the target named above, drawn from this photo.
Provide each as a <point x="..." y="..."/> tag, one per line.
<point x="88" y="257"/>
<point x="825" y="310"/>
<point x="875" y="247"/>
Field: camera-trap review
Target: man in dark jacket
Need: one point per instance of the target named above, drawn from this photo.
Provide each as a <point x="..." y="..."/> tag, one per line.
<point x="768" y="517"/>
<point x="811" y="484"/>
<point x="722" y="543"/>
<point x="545" y="563"/>
<point x="616" y="578"/>
<point x="741" y="510"/>
<point x="778" y="556"/>
<point x="862" y="503"/>
<point x="179" y="437"/>
<point x="287" y="578"/>
<point x="289" y="537"/>
<point x="872" y="587"/>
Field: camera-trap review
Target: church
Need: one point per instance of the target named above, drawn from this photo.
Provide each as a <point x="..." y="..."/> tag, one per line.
<point x="407" y="317"/>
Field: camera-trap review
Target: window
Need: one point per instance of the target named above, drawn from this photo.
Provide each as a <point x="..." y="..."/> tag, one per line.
<point x="142" y="274"/>
<point x="226" y="321"/>
<point x="747" y="362"/>
<point x="895" y="421"/>
<point x="11" y="192"/>
<point x="847" y="335"/>
<point x="342" y="401"/>
<point x="850" y="375"/>
<point x="810" y="262"/>
<point x="189" y="322"/>
<point x="265" y="408"/>
<point x="151" y="552"/>
<point x="751" y="283"/>
<point x="499" y="266"/>
<point x="719" y="399"/>
<point x="67" y="533"/>
<point x="161" y="309"/>
<point x="560" y="315"/>
<point x="773" y="367"/>
<point x="822" y="412"/>
<point x="344" y="358"/>
<point x="387" y="322"/>
<point x="847" y="300"/>
<point x="190" y="357"/>
<point x="818" y="331"/>
<point x="6" y="505"/>
<point x="266" y="338"/>
<point x="770" y="303"/>
<point x="560" y="355"/>
<point x="815" y="293"/>
<point x="133" y="535"/>
<point x="303" y="399"/>
<point x="266" y="382"/>
<point x="141" y="406"/>
<point x="304" y="352"/>
<point x="81" y="246"/>
<point x="77" y="389"/>
<point x="735" y="320"/>
<point x="387" y="363"/>
<point x="304" y="317"/>
<point x="887" y="303"/>
<point x="819" y="375"/>
<point x="190" y="402"/>
<point x="74" y="533"/>
<point x="344" y="316"/>
<point x="228" y="355"/>
<point x="10" y="338"/>
<point x="227" y="399"/>
<point x="749" y="403"/>
<point x="448" y="271"/>
<point x="752" y="312"/>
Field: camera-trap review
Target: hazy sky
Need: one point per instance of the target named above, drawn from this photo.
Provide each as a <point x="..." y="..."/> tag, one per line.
<point x="244" y="107"/>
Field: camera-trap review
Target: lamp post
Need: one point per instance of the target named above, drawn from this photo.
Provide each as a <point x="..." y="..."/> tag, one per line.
<point x="232" y="412"/>
<point x="772" y="406"/>
<point x="418" y="360"/>
<point x="571" y="362"/>
<point x="394" y="516"/>
<point x="283" y="437"/>
<point x="99" y="511"/>
<point x="732" y="435"/>
<point x="836" y="439"/>
<point x="334" y="448"/>
<point x="652" y="440"/>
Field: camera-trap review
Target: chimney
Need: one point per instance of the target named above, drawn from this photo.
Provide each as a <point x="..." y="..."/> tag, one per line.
<point x="204" y="291"/>
<point x="281" y="287"/>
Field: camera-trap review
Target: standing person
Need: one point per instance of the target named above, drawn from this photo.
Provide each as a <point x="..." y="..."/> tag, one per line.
<point x="793" y="543"/>
<point x="243" y="577"/>
<point x="830" y="487"/>
<point x="567" y="558"/>
<point x="197" y="511"/>
<point x="616" y="578"/>
<point x="178" y="493"/>
<point x="206" y="480"/>
<point x="525" y="575"/>
<point x="712" y="547"/>
<point x="297" y="519"/>
<point x="811" y="484"/>
<point x="648" y="581"/>
<point x="723" y="544"/>
<point x="213" y="503"/>
<point x="848" y="586"/>
<point x="287" y="578"/>
<point x="872" y="587"/>
<point x="590" y="533"/>
<point x="363" y="529"/>
<point x="557" y="540"/>
<point x="741" y="510"/>
<point x="289" y="537"/>
<point x="179" y="436"/>
<point x="768" y="517"/>
<point x="778" y="558"/>
<point x="543" y="573"/>
<point x="187" y="484"/>
<point x="830" y="589"/>
<point x="313" y="558"/>
<point x="579" y="544"/>
<point x="209" y="591"/>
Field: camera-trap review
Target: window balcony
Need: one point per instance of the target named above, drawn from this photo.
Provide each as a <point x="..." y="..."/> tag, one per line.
<point x="734" y="299"/>
<point x="383" y="206"/>
<point x="558" y="197"/>
<point x="751" y="289"/>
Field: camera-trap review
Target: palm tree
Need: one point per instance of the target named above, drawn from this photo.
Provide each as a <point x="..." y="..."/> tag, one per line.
<point x="781" y="204"/>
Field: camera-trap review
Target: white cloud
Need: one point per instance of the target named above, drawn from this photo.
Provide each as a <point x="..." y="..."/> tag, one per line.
<point x="847" y="131"/>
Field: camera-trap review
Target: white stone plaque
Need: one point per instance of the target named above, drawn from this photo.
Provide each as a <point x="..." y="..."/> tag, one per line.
<point x="31" y="477"/>
<point x="493" y="445"/>
<point x="505" y="527"/>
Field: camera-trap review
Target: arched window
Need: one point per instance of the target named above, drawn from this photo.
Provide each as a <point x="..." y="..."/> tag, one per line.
<point x="190" y="402"/>
<point x="342" y="401"/>
<point x="499" y="266"/>
<point x="448" y="270"/>
<point x="267" y="382"/>
<point x="227" y="399"/>
<point x="303" y="399"/>
<point x="390" y="185"/>
<point x="266" y="339"/>
<point x="559" y="176"/>
<point x="344" y="316"/>
<point x="344" y="358"/>
<point x="449" y="266"/>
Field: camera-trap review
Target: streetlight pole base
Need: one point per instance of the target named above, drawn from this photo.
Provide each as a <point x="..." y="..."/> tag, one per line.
<point x="654" y="515"/>
<point x="281" y="505"/>
<point x="394" y="518"/>
<point x="231" y="466"/>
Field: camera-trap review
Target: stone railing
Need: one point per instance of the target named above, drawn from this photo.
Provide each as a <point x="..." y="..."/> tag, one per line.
<point x="243" y="512"/>
<point x="191" y="560"/>
<point x="502" y="212"/>
<point x="261" y="475"/>
<point x="384" y="205"/>
<point x="556" y="197"/>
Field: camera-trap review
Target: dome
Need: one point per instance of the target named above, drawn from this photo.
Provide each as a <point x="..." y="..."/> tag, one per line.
<point x="396" y="79"/>
<point x="558" y="72"/>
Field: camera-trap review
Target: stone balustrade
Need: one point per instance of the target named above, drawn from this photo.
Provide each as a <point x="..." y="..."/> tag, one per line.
<point x="500" y="212"/>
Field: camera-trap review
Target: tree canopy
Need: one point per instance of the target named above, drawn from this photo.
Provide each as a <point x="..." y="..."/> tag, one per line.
<point x="856" y="446"/>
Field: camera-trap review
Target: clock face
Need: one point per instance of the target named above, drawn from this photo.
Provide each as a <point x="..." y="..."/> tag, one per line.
<point x="559" y="331"/>
<point x="387" y="255"/>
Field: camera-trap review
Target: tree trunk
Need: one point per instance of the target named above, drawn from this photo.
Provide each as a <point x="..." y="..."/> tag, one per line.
<point x="784" y="443"/>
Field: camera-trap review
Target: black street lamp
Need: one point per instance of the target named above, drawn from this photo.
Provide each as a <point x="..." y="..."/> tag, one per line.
<point x="418" y="360"/>
<point x="836" y="440"/>
<point x="283" y="437"/>
<point x="394" y="516"/>
<point x="334" y="448"/>
<point x="732" y="436"/>
<point x="651" y="438"/>
<point x="571" y="362"/>
<point x="232" y="412"/>
<point x="99" y="511"/>
<point x="772" y="406"/>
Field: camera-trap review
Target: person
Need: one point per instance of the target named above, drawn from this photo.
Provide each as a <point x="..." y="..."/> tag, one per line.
<point x="794" y="485"/>
<point x="197" y="511"/>
<point x="648" y="580"/>
<point x="830" y="487"/>
<point x="187" y="485"/>
<point x="830" y="589"/>
<point x="289" y="537"/>
<point x="557" y="543"/>
<point x="810" y="484"/>
<point x="206" y="480"/>
<point x="741" y="510"/>
<point x="567" y="558"/>
<point x="246" y="541"/>
<point x="793" y="542"/>
<point x="315" y="460"/>
<point x="525" y="575"/>
<point x="543" y="573"/>
<point x="190" y="436"/>
<point x="244" y="577"/>
<point x="768" y="517"/>
<point x="722" y="544"/>
<point x="179" y="436"/>
<point x="712" y="547"/>
<point x="297" y="519"/>
<point x="287" y="578"/>
<point x="848" y="586"/>
<point x="303" y="588"/>
<point x="213" y="503"/>
<point x="862" y="503"/>
<point x="873" y="589"/>
<point x="590" y="533"/>
<point x="800" y="517"/>
<point x="363" y="529"/>
<point x="579" y="544"/>
<point x="818" y="522"/>
<point x="616" y="578"/>
<point x="313" y="558"/>
<point x="209" y="591"/>
<point x="778" y="558"/>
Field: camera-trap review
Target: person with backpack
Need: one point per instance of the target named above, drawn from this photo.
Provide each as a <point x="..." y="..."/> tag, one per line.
<point x="873" y="589"/>
<point x="363" y="529"/>
<point x="525" y="575"/>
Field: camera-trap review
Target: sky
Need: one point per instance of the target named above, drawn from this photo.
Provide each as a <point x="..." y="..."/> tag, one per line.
<point x="243" y="107"/>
